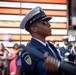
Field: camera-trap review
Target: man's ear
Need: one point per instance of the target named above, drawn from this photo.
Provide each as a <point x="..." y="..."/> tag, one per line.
<point x="33" y="29"/>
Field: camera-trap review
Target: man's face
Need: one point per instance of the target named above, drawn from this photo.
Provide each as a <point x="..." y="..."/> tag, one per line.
<point x="65" y="42"/>
<point x="53" y="43"/>
<point x="43" y="28"/>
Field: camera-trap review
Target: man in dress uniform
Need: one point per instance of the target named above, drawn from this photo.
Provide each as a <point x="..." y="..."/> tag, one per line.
<point x="37" y="24"/>
<point x="65" y="49"/>
<point x="53" y="41"/>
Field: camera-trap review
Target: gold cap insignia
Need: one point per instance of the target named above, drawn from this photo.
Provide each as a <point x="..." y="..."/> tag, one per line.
<point x="28" y="60"/>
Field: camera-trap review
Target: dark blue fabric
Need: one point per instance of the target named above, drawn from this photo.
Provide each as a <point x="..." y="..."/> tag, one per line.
<point x="36" y="68"/>
<point x="63" y="50"/>
<point x="72" y="56"/>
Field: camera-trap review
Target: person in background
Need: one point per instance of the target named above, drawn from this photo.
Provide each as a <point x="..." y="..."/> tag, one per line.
<point x="12" y="58"/>
<point x="65" y="49"/>
<point x="18" y="59"/>
<point x="7" y="61"/>
<point x="53" y="41"/>
<point x="57" y="45"/>
<point x="2" y="58"/>
<point x="37" y="24"/>
<point x="72" y="56"/>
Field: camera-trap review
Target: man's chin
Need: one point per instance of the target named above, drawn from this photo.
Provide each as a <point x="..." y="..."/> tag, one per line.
<point x="49" y="34"/>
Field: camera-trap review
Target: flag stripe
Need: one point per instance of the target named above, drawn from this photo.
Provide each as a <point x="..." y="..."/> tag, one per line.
<point x="25" y="11"/>
<point x="19" y="18"/>
<point x="17" y="25"/>
<point x="23" y="31"/>
<point x="45" y="6"/>
<point x="42" y="1"/>
<point x="32" y="5"/>
<point x="28" y="37"/>
<point x="47" y="1"/>
<point x="11" y="44"/>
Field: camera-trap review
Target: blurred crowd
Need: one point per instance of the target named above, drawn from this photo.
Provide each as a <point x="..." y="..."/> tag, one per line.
<point x="67" y="51"/>
<point x="10" y="62"/>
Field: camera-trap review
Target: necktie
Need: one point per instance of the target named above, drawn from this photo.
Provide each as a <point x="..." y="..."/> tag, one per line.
<point x="47" y="45"/>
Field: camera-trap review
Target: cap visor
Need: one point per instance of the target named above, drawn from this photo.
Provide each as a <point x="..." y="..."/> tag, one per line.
<point x="46" y="18"/>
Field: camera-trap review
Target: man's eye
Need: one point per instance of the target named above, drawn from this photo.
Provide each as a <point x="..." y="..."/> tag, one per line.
<point x="45" y="22"/>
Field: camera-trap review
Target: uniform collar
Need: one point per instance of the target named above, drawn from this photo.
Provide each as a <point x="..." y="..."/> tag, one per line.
<point x="40" y="41"/>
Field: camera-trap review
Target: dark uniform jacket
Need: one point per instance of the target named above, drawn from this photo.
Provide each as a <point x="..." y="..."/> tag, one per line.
<point x="72" y="56"/>
<point x="34" y="66"/>
<point x="64" y="50"/>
